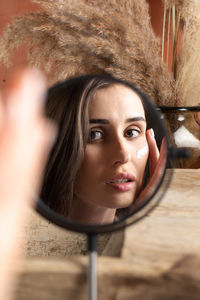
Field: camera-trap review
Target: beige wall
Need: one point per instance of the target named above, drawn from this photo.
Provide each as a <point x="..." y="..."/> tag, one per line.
<point x="9" y="8"/>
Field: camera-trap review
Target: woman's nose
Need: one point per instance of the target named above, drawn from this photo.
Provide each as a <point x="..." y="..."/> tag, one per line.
<point x="120" y="151"/>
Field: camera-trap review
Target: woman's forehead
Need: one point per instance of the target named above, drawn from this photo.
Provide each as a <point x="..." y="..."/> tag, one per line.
<point x="117" y="99"/>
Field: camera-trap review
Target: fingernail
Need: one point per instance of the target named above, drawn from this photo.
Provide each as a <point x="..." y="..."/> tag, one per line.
<point x="152" y="132"/>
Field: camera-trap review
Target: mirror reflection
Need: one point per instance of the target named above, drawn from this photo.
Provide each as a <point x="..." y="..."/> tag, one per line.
<point x="185" y="133"/>
<point x="106" y="161"/>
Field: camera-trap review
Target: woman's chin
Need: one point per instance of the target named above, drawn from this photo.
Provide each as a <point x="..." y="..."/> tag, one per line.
<point x="121" y="203"/>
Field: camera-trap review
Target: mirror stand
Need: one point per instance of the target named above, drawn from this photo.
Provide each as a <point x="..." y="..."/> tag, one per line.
<point x="92" y="267"/>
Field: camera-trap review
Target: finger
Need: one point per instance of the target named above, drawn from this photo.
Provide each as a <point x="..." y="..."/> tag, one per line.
<point x="155" y="178"/>
<point x="163" y="150"/>
<point x="160" y="166"/>
<point x="25" y="95"/>
<point x="1" y="113"/>
<point x="42" y="141"/>
<point x="26" y="135"/>
<point x="25" y="142"/>
<point x="153" y="150"/>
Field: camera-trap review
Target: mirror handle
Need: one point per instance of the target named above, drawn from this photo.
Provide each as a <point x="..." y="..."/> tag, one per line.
<point x="92" y="266"/>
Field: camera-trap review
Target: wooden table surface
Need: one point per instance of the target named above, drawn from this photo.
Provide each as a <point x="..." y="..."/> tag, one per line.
<point x="172" y="230"/>
<point x="160" y="256"/>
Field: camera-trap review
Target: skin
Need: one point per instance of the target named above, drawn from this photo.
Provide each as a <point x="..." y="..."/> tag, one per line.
<point x="26" y="137"/>
<point x="112" y="149"/>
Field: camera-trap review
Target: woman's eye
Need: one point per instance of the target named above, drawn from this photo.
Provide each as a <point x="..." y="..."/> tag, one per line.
<point x="95" y="135"/>
<point x="132" y="133"/>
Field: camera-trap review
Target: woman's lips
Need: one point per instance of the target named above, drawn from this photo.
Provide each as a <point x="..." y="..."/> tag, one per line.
<point x="122" y="182"/>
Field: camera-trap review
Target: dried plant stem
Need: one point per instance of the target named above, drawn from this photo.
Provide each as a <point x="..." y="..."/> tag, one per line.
<point x="163" y="32"/>
<point x="171" y="24"/>
<point x="174" y="62"/>
<point x="168" y="34"/>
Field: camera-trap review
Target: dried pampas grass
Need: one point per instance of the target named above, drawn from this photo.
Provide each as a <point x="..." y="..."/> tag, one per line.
<point x="170" y="3"/>
<point x="86" y="36"/>
<point x="171" y="26"/>
<point x="188" y="72"/>
<point x="183" y="16"/>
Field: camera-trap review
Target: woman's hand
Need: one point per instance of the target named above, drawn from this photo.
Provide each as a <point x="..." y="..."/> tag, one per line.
<point x="157" y="161"/>
<point x="26" y="137"/>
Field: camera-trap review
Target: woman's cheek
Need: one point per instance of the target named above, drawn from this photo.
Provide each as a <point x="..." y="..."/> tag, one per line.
<point x="142" y="155"/>
<point x="94" y="156"/>
<point x="143" y="151"/>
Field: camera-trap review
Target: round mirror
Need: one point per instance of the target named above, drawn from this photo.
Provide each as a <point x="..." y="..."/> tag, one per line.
<point x="110" y="156"/>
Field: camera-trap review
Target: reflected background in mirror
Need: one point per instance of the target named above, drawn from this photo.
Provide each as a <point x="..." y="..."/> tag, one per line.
<point x="111" y="152"/>
<point x="185" y="133"/>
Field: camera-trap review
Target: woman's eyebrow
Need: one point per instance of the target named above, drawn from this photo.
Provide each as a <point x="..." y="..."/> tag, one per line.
<point x="99" y="121"/>
<point x="135" y="119"/>
<point x="105" y="121"/>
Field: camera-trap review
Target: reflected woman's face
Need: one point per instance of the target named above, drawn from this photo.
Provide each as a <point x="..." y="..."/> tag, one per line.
<point x="116" y="154"/>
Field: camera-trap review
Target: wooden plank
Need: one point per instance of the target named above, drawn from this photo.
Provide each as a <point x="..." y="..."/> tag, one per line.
<point x="61" y="279"/>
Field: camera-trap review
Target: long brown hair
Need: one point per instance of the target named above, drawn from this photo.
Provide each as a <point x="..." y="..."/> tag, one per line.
<point x="67" y="105"/>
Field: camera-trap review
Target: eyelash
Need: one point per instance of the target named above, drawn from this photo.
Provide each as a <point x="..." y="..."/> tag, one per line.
<point x="92" y="131"/>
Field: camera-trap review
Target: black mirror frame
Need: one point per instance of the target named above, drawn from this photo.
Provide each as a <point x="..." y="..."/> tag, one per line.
<point x="139" y="213"/>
